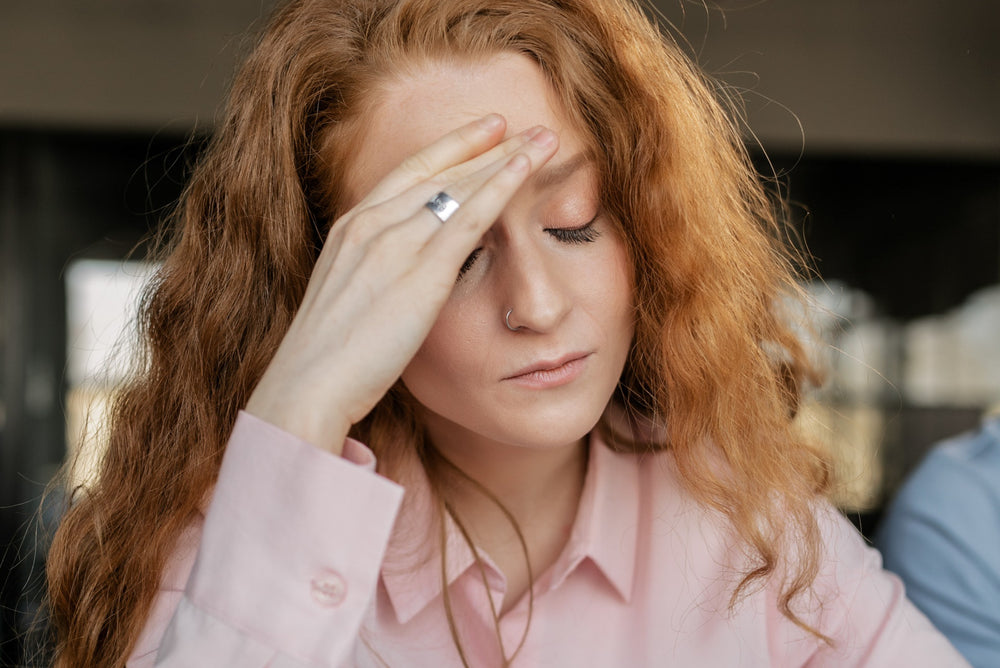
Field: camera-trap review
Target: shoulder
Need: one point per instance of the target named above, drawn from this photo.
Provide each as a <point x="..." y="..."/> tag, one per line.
<point x="943" y="523"/>
<point x="957" y="484"/>
<point x="692" y="556"/>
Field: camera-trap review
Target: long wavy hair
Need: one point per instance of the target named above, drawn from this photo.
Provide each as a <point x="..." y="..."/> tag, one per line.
<point x="714" y="362"/>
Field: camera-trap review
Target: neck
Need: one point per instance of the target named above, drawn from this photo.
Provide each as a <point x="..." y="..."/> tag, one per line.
<point x="523" y="478"/>
<point x="539" y="486"/>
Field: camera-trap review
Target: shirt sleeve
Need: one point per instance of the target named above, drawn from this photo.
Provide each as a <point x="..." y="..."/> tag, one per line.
<point x="286" y="563"/>
<point x="942" y="536"/>
<point x="864" y="611"/>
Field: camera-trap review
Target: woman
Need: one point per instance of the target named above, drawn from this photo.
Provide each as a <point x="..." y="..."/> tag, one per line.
<point x="513" y="252"/>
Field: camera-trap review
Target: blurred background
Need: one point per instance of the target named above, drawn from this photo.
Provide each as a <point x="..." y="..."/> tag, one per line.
<point x="880" y="119"/>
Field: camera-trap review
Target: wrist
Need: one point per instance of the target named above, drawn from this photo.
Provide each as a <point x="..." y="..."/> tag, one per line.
<point x="320" y="428"/>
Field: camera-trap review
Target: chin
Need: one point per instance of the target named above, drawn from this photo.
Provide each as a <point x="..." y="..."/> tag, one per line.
<point x="543" y="428"/>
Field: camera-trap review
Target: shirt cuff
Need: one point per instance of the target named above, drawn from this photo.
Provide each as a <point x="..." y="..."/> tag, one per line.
<point x="293" y="541"/>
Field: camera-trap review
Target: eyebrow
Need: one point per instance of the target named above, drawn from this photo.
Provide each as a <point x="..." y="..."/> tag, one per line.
<point x="553" y="175"/>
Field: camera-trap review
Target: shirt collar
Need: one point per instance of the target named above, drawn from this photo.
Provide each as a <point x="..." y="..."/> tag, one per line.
<point x="411" y="569"/>
<point x="604" y="531"/>
<point x="606" y="526"/>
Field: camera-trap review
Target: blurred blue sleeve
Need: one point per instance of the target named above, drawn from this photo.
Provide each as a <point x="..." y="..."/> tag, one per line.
<point x="941" y="535"/>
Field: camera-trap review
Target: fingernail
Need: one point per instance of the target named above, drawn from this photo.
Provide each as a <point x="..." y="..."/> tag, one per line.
<point x="491" y="121"/>
<point x="544" y="138"/>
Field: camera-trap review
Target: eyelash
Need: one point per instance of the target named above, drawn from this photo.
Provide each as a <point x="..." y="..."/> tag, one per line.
<point x="577" y="235"/>
<point x="467" y="265"/>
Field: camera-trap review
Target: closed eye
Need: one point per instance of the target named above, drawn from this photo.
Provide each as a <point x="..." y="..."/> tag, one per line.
<point x="467" y="265"/>
<point x="577" y="235"/>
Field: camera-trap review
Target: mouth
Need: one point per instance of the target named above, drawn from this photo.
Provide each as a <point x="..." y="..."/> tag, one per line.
<point x="551" y="373"/>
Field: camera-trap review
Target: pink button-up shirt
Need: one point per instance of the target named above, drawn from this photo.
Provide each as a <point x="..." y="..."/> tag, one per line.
<point x="308" y="559"/>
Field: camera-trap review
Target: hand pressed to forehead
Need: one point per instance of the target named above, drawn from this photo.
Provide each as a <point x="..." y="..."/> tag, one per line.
<point x="454" y="157"/>
<point x="477" y="183"/>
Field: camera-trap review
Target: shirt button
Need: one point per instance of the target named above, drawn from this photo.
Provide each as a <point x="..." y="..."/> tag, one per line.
<point x="329" y="589"/>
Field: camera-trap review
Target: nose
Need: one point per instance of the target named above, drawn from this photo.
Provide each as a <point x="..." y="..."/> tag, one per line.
<point x="537" y="294"/>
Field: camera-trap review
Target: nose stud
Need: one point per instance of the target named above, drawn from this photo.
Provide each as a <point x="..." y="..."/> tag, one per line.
<point x="506" y="321"/>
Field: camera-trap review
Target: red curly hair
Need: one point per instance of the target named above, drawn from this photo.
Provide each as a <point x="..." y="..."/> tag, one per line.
<point x="714" y="361"/>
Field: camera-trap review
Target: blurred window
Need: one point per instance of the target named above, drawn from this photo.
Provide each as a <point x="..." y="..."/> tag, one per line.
<point x="102" y="300"/>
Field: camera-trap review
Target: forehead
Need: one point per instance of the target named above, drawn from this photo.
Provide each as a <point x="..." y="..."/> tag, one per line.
<point x="433" y="98"/>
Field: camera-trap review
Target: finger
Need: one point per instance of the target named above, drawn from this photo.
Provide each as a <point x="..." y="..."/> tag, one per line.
<point x="491" y="160"/>
<point x="405" y="217"/>
<point x="454" y="148"/>
<point x="440" y="181"/>
<point x="470" y="189"/>
<point x="482" y="198"/>
<point x="459" y="182"/>
<point x="454" y="239"/>
<point x="366" y="222"/>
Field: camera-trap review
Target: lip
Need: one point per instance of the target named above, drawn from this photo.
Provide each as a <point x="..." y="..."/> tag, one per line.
<point x="551" y="373"/>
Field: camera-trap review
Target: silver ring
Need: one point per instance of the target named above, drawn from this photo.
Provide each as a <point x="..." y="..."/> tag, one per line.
<point x="506" y="321"/>
<point x="442" y="205"/>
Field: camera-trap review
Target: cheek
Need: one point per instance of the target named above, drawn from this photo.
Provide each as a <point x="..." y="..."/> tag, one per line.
<point x="613" y="287"/>
<point x="450" y="358"/>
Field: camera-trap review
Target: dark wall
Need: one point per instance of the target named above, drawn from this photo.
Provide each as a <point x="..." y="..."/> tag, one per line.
<point x="64" y="195"/>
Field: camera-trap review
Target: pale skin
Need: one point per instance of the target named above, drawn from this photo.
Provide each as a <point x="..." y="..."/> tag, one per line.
<point x="383" y="302"/>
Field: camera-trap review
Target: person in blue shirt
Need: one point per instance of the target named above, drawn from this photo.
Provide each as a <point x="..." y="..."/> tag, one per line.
<point x="941" y="535"/>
